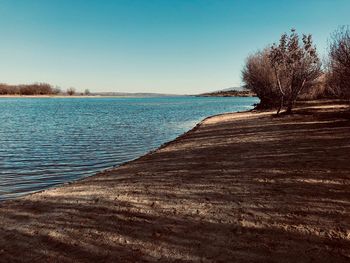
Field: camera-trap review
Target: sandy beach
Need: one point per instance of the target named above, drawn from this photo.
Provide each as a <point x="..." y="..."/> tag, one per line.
<point x="240" y="187"/>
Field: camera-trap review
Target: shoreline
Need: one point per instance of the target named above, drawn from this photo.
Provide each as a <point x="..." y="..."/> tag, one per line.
<point x="163" y="145"/>
<point x="77" y="96"/>
<point x="216" y="192"/>
<point x="114" y="96"/>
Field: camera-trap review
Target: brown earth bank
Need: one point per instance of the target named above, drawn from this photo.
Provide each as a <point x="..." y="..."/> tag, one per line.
<point x="241" y="187"/>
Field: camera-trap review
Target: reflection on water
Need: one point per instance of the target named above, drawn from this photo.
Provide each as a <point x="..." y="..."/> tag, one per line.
<point x="45" y="142"/>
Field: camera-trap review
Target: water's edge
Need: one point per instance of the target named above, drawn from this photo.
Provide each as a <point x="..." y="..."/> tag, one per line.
<point x="114" y="167"/>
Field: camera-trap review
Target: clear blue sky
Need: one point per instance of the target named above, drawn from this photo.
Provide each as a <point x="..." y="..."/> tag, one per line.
<point x="179" y="46"/>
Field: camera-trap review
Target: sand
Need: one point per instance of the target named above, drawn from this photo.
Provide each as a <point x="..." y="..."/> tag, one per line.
<point x="241" y="187"/>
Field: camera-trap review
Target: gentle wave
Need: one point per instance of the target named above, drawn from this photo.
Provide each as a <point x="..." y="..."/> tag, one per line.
<point x="46" y="142"/>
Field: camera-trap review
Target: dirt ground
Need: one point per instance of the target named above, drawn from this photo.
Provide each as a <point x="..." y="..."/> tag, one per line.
<point x="243" y="187"/>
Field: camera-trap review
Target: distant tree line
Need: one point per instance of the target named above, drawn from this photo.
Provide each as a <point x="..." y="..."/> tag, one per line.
<point x="31" y="89"/>
<point x="36" y="89"/>
<point x="290" y="70"/>
<point x="229" y="93"/>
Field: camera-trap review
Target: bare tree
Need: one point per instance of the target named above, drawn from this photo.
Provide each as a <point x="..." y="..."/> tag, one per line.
<point x="296" y="66"/>
<point x="71" y="91"/>
<point x="258" y="76"/>
<point x="56" y="90"/>
<point x="26" y="89"/>
<point x="338" y="77"/>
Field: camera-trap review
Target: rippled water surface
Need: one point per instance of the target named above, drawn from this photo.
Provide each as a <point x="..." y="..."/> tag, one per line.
<point x="45" y="141"/>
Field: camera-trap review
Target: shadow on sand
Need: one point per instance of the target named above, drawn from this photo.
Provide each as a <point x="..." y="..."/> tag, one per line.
<point x="251" y="189"/>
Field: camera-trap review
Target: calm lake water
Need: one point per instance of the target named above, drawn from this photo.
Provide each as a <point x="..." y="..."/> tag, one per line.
<point x="45" y="141"/>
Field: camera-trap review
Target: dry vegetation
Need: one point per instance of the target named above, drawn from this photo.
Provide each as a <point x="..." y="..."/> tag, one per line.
<point x="30" y="89"/>
<point x="35" y="89"/>
<point x="338" y="71"/>
<point x="229" y="93"/>
<point x="283" y="73"/>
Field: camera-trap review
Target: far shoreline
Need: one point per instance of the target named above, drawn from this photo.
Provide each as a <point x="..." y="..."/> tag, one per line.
<point x="80" y="96"/>
<point x="116" y="96"/>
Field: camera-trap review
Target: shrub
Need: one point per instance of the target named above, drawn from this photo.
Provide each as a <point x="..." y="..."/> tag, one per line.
<point x="71" y="91"/>
<point x="283" y="72"/>
<point x="338" y="75"/>
<point x="296" y="67"/>
<point x="258" y="77"/>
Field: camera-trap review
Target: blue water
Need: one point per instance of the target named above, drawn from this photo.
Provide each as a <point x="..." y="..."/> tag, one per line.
<point x="45" y="141"/>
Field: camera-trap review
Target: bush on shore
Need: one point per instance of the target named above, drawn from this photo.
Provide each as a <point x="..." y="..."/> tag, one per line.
<point x="281" y="73"/>
<point x="338" y="70"/>
<point x="258" y="77"/>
